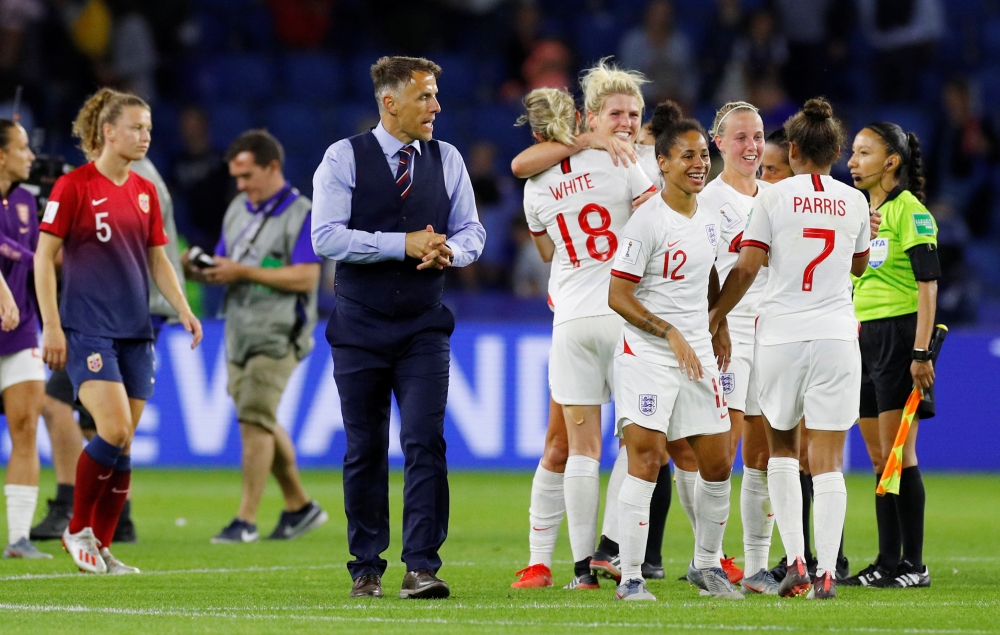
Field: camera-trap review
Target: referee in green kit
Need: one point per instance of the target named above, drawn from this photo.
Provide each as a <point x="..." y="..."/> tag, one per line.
<point x="895" y="301"/>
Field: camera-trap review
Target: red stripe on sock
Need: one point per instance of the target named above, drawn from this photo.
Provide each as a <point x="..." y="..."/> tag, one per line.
<point x="91" y="480"/>
<point x="110" y="505"/>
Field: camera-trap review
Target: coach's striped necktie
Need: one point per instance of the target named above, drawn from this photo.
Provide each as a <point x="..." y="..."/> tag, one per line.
<point x="403" y="171"/>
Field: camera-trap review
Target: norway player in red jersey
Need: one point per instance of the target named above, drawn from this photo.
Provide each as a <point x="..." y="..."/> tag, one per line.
<point x="107" y="222"/>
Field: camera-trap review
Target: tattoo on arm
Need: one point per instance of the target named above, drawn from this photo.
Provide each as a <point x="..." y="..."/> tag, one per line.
<point x="654" y="325"/>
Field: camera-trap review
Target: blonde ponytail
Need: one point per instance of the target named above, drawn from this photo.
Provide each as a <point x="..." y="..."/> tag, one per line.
<point x="104" y="106"/>
<point x="551" y="114"/>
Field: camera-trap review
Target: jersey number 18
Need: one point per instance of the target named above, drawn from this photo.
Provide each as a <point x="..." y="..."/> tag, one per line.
<point x="592" y="234"/>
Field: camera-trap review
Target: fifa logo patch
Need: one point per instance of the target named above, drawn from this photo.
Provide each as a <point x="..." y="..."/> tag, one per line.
<point x="95" y="363"/>
<point x="144" y="202"/>
<point x="712" y="236"/>
<point x="728" y="381"/>
<point x="647" y="404"/>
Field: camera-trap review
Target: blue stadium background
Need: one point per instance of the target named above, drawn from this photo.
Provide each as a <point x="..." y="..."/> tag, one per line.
<point x="214" y="68"/>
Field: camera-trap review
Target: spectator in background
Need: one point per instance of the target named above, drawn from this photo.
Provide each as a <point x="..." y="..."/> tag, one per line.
<point x="663" y="54"/>
<point x="727" y="29"/>
<point x="200" y="180"/>
<point x="498" y="200"/>
<point x="904" y="35"/>
<point x="806" y="27"/>
<point x="301" y="24"/>
<point x="133" y="51"/>
<point x="548" y="66"/>
<point x="772" y="100"/>
<point x="531" y="273"/>
<point x="758" y="55"/>
<point x="966" y="150"/>
<point x="520" y="43"/>
<point x="266" y="262"/>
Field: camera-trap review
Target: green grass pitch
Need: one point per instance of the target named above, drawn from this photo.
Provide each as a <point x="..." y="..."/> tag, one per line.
<point x="191" y="586"/>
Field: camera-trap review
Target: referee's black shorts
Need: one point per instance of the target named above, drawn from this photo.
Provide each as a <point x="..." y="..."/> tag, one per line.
<point x="886" y="382"/>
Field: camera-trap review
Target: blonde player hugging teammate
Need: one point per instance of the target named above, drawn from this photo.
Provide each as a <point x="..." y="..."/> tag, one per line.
<point x="575" y="212"/>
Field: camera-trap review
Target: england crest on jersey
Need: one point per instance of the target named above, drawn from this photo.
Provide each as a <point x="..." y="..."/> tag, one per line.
<point x="713" y="236"/>
<point x="647" y="404"/>
<point x="144" y="202"/>
<point x="728" y="381"/>
<point x="95" y="363"/>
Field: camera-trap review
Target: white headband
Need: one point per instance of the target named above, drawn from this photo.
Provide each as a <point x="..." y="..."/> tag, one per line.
<point x="735" y="108"/>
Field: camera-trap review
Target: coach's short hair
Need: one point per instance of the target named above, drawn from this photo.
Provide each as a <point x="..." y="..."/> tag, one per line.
<point x="389" y="74"/>
<point x="263" y="145"/>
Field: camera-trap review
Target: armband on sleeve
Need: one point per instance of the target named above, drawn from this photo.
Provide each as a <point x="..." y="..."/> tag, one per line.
<point x="925" y="263"/>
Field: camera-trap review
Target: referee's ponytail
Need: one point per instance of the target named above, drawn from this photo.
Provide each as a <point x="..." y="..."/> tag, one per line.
<point x="906" y="146"/>
<point x="915" y="180"/>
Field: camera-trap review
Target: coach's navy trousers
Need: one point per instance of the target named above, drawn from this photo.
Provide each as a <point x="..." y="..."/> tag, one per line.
<point x="375" y="355"/>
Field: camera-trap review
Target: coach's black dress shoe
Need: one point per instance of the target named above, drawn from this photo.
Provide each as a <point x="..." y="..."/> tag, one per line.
<point x="367" y="586"/>
<point x="423" y="585"/>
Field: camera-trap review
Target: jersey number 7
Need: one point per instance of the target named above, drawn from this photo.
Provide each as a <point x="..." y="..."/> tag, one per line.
<point x="592" y="233"/>
<point x="828" y="236"/>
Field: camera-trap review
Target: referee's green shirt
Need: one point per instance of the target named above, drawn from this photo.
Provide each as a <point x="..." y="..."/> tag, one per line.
<point x="888" y="288"/>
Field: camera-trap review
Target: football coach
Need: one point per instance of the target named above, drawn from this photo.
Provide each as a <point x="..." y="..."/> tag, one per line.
<point x="394" y="209"/>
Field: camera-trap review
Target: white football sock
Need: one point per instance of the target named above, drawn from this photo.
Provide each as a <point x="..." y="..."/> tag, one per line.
<point x="633" y="518"/>
<point x="618" y="473"/>
<point x="711" y="508"/>
<point x="545" y="515"/>
<point x="785" y="490"/>
<point x="758" y="519"/>
<point x="21" y="502"/>
<point x="829" y="511"/>
<point x="582" y="487"/>
<point x="685" y="493"/>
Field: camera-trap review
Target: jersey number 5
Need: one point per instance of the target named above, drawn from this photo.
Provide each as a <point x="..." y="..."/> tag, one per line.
<point x="103" y="228"/>
<point x="592" y="233"/>
<point x="828" y="236"/>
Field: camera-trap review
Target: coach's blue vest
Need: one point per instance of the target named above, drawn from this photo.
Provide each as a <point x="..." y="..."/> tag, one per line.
<point x="394" y="286"/>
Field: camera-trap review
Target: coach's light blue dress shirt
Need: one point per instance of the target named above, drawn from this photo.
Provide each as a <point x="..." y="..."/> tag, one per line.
<point x="333" y="187"/>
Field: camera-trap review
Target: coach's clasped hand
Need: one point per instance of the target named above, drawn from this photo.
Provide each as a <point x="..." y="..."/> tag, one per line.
<point x="430" y="248"/>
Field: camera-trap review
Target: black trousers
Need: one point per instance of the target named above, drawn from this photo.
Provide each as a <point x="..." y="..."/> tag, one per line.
<point x="374" y="356"/>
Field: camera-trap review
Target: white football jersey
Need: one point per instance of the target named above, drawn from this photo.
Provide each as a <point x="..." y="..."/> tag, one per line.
<point x="734" y="209"/>
<point x="670" y="256"/>
<point x="812" y="227"/>
<point x="647" y="161"/>
<point x="582" y="204"/>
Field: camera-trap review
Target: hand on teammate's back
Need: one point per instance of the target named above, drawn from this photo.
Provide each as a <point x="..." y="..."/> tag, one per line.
<point x="620" y="150"/>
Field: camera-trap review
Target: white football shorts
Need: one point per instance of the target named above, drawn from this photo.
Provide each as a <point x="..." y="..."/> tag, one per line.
<point x="739" y="382"/>
<point x="24" y="365"/>
<point x="820" y="379"/>
<point x="662" y="398"/>
<point x="582" y="360"/>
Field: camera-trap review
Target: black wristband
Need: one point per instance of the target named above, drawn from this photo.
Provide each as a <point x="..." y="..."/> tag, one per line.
<point x="920" y="355"/>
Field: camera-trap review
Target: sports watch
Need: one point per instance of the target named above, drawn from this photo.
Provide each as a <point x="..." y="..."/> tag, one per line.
<point x="920" y="355"/>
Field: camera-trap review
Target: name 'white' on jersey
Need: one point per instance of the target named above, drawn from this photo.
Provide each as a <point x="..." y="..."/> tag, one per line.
<point x="812" y="227"/>
<point x="670" y="256"/>
<point x="583" y="203"/>
<point x="734" y="209"/>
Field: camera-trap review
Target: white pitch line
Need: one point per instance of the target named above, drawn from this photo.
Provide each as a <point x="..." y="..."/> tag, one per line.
<point x="84" y="576"/>
<point x="38" y="608"/>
